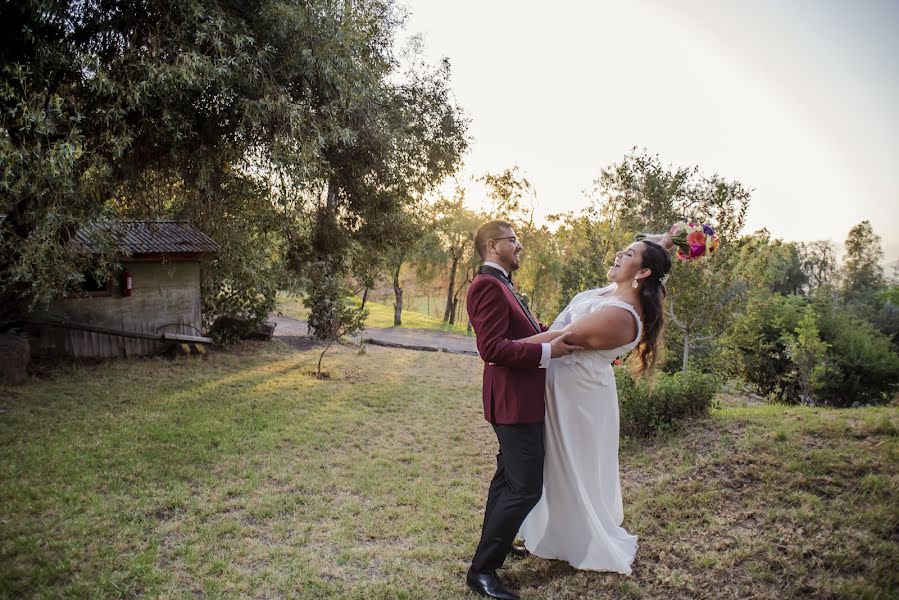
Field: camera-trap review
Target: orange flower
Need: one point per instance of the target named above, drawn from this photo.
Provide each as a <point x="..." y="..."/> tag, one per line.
<point x="696" y="238"/>
<point x="713" y="244"/>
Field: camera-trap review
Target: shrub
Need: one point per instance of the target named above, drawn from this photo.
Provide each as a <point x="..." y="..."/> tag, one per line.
<point x="862" y="367"/>
<point x="648" y="406"/>
<point x="792" y="349"/>
<point x="756" y="344"/>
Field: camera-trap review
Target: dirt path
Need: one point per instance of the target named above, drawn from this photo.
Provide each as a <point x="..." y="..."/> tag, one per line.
<point x="411" y="339"/>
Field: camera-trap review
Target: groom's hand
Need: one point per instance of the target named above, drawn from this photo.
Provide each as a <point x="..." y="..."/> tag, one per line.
<point x="560" y="347"/>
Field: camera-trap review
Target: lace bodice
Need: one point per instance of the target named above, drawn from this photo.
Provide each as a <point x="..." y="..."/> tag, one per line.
<point x="598" y="362"/>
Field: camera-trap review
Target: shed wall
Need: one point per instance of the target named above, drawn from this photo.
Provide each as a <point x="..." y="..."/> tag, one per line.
<point x="166" y="298"/>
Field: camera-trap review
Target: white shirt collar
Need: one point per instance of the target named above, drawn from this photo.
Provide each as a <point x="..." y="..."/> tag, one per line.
<point x="488" y="263"/>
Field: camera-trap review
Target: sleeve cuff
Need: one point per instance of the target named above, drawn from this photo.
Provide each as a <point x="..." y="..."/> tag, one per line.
<point x="544" y="358"/>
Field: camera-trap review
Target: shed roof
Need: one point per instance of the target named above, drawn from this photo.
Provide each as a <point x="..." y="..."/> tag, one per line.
<point x="134" y="238"/>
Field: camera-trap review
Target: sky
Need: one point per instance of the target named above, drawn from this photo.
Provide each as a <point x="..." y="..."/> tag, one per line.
<point x="798" y="99"/>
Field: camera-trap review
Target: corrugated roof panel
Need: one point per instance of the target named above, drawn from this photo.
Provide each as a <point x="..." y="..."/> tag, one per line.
<point x="147" y="237"/>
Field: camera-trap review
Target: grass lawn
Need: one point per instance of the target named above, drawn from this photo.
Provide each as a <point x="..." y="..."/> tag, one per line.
<point x="242" y="475"/>
<point x="379" y="315"/>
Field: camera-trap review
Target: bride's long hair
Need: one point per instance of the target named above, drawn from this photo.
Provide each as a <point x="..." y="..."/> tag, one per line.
<point x="652" y="295"/>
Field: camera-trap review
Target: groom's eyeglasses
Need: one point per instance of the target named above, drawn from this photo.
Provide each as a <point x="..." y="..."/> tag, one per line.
<point x="511" y="238"/>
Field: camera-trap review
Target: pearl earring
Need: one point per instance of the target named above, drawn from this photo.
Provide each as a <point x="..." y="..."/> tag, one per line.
<point x="634" y="283"/>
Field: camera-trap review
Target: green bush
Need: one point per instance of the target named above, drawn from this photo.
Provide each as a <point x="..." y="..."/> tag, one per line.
<point x="755" y="344"/>
<point x="858" y="366"/>
<point x="862" y="367"/>
<point x="650" y="405"/>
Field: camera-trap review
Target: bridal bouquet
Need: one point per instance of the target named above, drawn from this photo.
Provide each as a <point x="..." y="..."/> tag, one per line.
<point x="693" y="241"/>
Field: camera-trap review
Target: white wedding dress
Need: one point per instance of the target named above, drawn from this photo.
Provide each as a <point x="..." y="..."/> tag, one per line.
<point x="579" y="517"/>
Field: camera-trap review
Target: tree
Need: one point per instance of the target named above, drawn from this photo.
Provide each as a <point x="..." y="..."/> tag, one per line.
<point x="330" y="317"/>
<point x="807" y="352"/>
<point x="862" y="281"/>
<point x="513" y="199"/>
<point x="703" y="297"/>
<point x="636" y="195"/>
<point x="770" y="263"/>
<point x="383" y="247"/>
<point x="408" y="232"/>
<point x="239" y="117"/>
<point x="99" y="99"/>
<point x="538" y="279"/>
<point x="861" y="274"/>
<point x="453" y="227"/>
<point x="641" y="194"/>
<point x="588" y="243"/>
<point x="507" y="191"/>
<point x="401" y="141"/>
<point x="887" y="318"/>
<point x="818" y="263"/>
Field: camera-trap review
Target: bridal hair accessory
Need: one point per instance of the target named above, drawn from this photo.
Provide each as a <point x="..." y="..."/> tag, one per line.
<point x="693" y="240"/>
<point x="664" y="278"/>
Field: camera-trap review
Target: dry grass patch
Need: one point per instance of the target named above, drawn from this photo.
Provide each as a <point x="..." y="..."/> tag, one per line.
<point x="242" y="475"/>
<point x="765" y="502"/>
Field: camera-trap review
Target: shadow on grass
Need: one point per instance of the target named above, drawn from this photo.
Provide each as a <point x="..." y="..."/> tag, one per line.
<point x="536" y="573"/>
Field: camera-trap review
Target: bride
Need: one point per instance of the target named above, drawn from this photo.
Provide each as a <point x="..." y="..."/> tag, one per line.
<point x="579" y="517"/>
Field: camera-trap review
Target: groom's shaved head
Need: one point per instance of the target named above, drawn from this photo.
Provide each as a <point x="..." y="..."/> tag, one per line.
<point x="490" y="231"/>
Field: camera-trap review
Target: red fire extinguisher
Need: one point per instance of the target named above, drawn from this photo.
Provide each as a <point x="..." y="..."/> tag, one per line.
<point x="127" y="283"/>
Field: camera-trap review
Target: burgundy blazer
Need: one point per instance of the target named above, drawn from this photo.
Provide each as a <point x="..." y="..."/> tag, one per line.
<point x="513" y="380"/>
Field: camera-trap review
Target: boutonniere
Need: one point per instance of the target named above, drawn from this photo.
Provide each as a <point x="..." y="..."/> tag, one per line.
<point x="522" y="297"/>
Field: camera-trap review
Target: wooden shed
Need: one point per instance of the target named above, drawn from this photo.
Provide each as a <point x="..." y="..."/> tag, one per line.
<point x="157" y="294"/>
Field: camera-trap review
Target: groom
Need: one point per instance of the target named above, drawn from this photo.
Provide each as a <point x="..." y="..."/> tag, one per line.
<point x="514" y="379"/>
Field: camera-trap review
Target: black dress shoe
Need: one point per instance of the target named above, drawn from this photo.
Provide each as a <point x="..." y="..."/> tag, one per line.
<point x="518" y="551"/>
<point x="488" y="585"/>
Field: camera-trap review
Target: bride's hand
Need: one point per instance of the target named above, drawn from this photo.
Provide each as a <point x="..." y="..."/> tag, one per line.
<point x="666" y="242"/>
<point x="662" y="239"/>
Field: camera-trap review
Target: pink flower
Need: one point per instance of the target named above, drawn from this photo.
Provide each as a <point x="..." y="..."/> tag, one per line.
<point x="697" y="250"/>
<point x="677" y="228"/>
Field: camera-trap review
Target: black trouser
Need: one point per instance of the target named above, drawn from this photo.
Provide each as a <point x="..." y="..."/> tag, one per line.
<point x="514" y="491"/>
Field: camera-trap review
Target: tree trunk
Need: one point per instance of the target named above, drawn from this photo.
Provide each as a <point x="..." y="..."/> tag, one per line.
<point x="318" y="373"/>
<point x="455" y="305"/>
<point x="364" y="297"/>
<point x="327" y="241"/>
<point x="458" y="302"/>
<point x="398" y="298"/>
<point x="450" y="289"/>
<point x="332" y="196"/>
